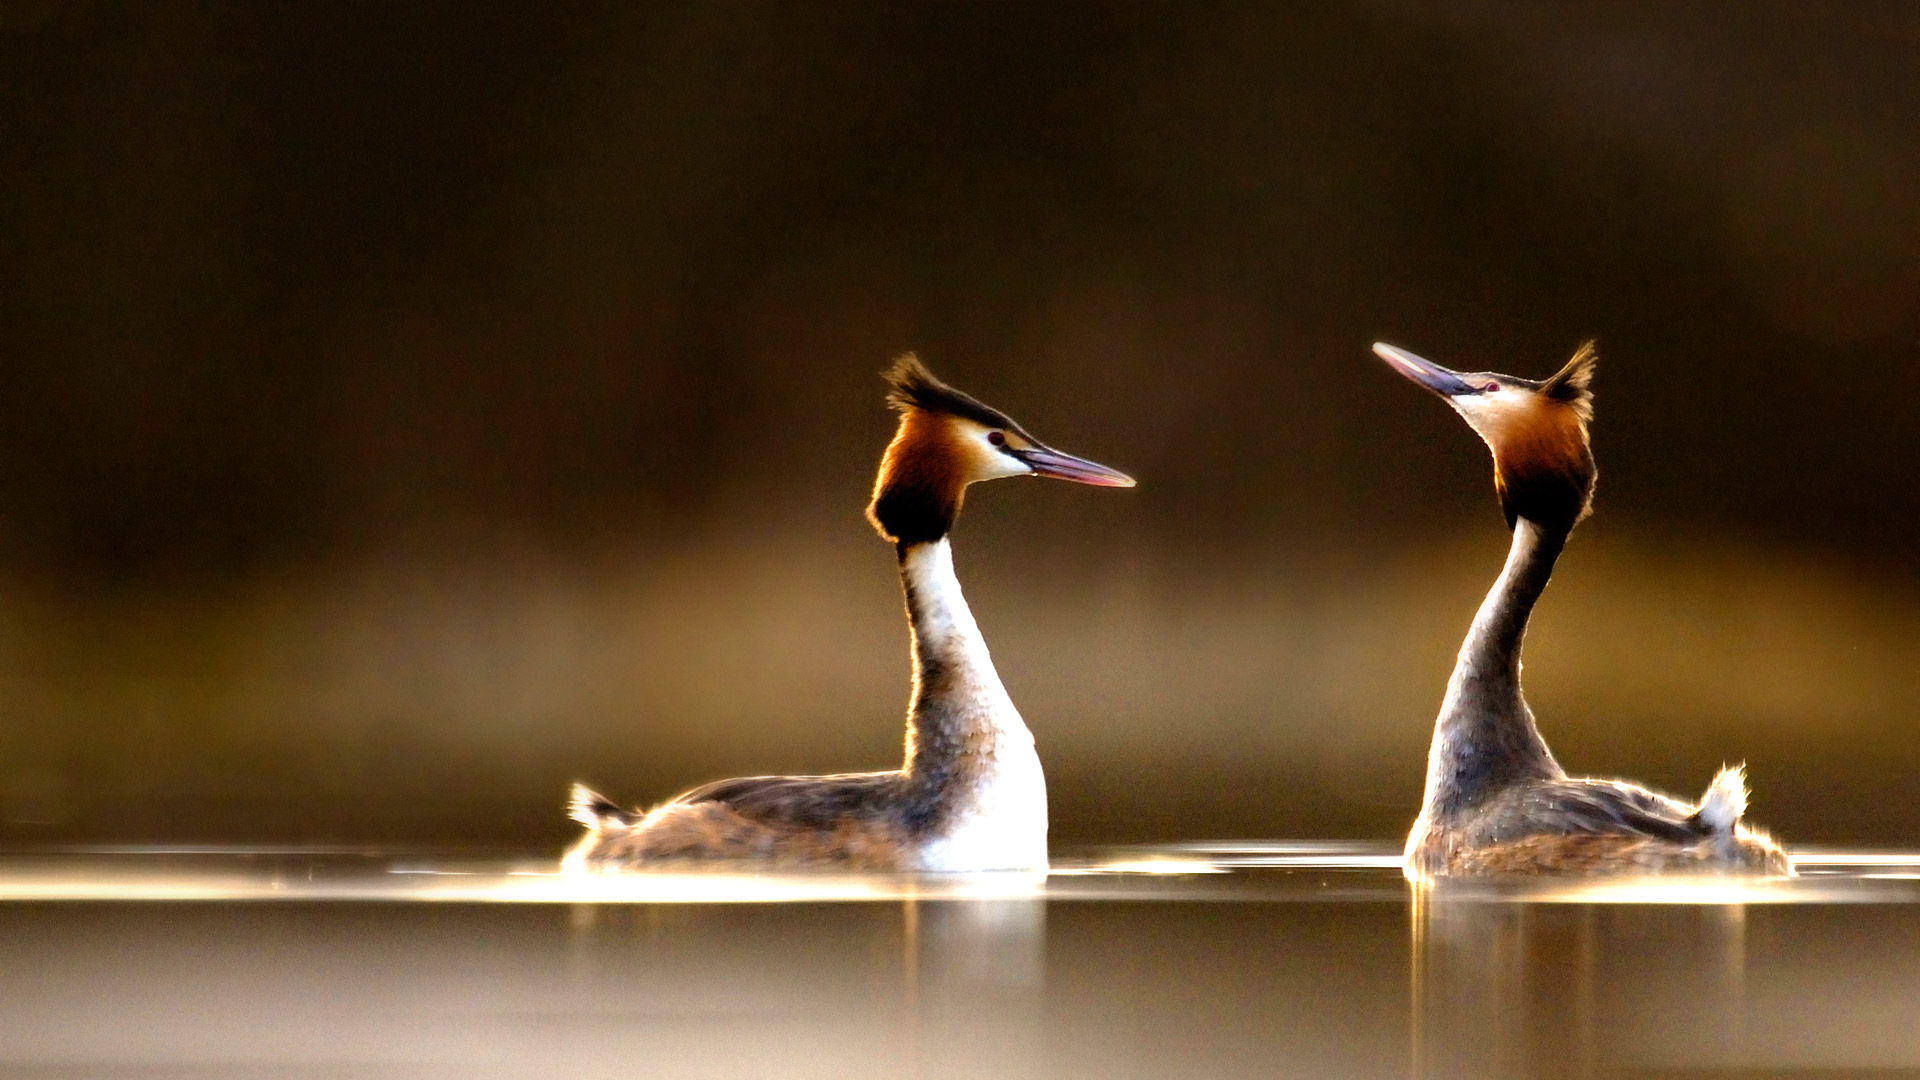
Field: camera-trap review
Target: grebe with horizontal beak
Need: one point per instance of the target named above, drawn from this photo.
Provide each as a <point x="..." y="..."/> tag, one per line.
<point x="1496" y="800"/>
<point x="971" y="795"/>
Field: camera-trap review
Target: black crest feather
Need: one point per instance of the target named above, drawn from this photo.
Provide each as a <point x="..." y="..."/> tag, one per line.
<point x="1573" y="383"/>
<point x="914" y="387"/>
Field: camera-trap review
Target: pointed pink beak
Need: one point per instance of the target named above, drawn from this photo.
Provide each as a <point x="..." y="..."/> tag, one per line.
<point x="1443" y="381"/>
<point x="1046" y="461"/>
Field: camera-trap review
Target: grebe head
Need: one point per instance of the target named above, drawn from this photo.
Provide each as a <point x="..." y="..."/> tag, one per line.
<point x="1542" y="462"/>
<point x="948" y="440"/>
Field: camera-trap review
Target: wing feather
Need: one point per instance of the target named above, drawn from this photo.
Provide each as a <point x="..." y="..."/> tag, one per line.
<point x="804" y="801"/>
<point x="1576" y="806"/>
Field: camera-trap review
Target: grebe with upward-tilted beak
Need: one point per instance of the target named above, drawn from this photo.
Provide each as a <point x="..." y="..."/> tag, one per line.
<point x="971" y="794"/>
<point x="1496" y="800"/>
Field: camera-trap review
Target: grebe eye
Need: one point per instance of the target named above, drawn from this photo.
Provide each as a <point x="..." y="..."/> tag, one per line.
<point x="1491" y="387"/>
<point x="996" y="438"/>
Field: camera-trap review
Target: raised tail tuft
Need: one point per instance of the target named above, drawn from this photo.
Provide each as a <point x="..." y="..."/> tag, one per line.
<point x="1726" y="799"/>
<point x="592" y="809"/>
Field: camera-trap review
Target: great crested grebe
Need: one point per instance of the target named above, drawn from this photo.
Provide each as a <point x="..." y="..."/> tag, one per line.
<point x="1496" y="801"/>
<point x="971" y="795"/>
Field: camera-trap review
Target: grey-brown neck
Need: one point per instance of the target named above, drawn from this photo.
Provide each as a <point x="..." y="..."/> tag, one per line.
<point x="962" y="723"/>
<point x="1485" y="738"/>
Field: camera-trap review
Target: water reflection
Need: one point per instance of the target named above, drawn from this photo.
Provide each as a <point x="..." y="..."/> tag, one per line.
<point x="1668" y="978"/>
<point x="977" y="968"/>
<point x="1214" y="960"/>
<point x="913" y="988"/>
<point x="1512" y="990"/>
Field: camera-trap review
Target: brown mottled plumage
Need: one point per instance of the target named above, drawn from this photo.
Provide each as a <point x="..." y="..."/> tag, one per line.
<point x="1496" y="801"/>
<point x="970" y="795"/>
<point x="1617" y="853"/>
<point x="751" y="819"/>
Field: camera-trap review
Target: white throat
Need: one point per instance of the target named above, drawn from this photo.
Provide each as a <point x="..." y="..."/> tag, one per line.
<point x="944" y="629"/>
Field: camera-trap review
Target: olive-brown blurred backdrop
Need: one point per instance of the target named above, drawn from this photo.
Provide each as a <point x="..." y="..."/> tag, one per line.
<point x="406" y="409"/>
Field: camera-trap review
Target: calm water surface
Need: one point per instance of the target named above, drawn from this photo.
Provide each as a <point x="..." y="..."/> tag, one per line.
<point x="1251" y="959"/>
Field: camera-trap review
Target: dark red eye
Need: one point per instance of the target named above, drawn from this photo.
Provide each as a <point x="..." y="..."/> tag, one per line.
<point x="1491" y="387"/>
<point x="996" y="438"/>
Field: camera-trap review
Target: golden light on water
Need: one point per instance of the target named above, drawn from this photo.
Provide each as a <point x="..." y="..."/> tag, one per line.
<point x="1676" y="890"/>
<point x="1246" y="870"/>
<point x="1822" y="858"/>
<point x="1169" y="866"/>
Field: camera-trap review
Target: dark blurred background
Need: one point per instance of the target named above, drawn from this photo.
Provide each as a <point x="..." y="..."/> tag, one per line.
<point x="406" y="409"/>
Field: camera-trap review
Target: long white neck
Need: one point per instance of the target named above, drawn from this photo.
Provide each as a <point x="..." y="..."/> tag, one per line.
<point x="961" y="716"/>
<point x="975" y="791"/>
<point x="1485" y="737"/>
